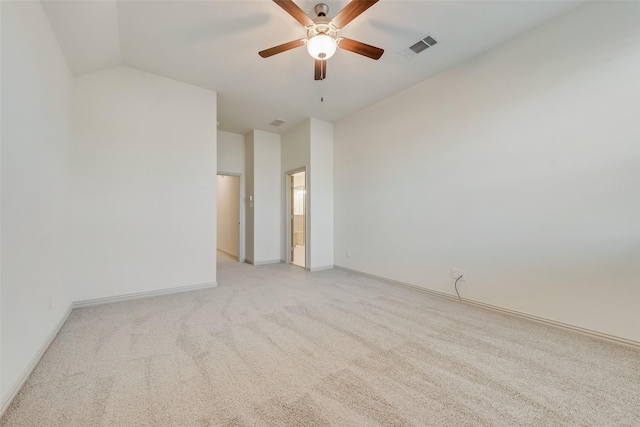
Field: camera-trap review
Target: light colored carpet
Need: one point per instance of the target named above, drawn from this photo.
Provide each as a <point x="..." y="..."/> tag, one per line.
<point x="275" y="345"/>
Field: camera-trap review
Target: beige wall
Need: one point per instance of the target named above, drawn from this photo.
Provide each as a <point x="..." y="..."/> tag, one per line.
<point x="521" y="166"/>
<point x="262" y="168"/>
<point x="299" y="180"/>
<point x="144" y="162"/>
<point x="231" y="160"/>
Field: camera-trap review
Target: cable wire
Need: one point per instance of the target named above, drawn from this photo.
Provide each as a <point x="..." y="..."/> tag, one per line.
<point x="456" y="286"/>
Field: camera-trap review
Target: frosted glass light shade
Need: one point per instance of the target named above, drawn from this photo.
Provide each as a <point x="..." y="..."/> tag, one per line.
<point x="321" y="46"/>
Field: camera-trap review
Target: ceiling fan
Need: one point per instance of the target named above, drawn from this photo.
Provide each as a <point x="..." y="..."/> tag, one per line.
<point x="322" y="34"/>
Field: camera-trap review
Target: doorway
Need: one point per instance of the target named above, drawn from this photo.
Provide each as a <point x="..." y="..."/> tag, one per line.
<point x="297" y="224"/>
<point x="228" y="222"/>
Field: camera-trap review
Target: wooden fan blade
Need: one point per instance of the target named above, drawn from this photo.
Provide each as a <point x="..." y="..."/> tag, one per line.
<point x="292" y="9"/>
<point x="351" y="12"/>
<point x="320" y="70"/>
<point x="281" y="48"/>
<point x="361" y="48"/>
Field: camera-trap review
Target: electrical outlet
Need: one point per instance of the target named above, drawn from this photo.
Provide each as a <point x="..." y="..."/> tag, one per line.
<point x="348" y="253"/>
<point x="462" y="273"/>
<point x="454" y="273"/>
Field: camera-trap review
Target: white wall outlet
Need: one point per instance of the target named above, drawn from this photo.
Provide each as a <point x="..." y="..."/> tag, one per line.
<point x="348" y="253"/>
<point x="50" y="300"/>
<point x="462" y="273"/>
<point x="454" y="273"/>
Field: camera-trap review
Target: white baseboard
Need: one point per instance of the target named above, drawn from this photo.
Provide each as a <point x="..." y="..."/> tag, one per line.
<point x="323" y="267"/>
<point x="148" y="294"/>
<point x="544" y="320"/>
<point x="17" y="385"/>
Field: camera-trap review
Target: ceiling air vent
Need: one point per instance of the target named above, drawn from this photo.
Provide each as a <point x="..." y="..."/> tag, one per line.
<point x="277" y="122"/>
<point x="419" y="47"/>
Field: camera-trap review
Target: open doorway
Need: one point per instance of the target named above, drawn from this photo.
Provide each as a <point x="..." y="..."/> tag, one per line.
<point x="228" y="225"/>
<point x="297" y="224"/>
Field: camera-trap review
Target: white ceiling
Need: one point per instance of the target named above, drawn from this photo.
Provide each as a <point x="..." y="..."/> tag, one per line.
<point x="215" y="44"/>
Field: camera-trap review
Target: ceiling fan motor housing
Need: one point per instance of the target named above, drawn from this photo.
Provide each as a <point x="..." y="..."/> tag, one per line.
<point x="321" y="9"/>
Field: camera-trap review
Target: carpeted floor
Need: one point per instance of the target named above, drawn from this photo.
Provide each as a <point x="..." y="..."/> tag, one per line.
<point x="275" y="345"/>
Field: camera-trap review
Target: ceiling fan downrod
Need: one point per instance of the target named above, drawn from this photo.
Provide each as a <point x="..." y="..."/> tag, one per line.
<point x="321" y="9"/>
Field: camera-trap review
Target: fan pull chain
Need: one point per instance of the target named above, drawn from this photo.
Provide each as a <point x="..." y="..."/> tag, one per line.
<point x="322" y="68"/>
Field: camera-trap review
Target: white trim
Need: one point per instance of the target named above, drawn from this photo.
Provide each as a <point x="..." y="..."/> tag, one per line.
<point x="274" y="261"/>
<point x="323" y="267"/>
<point x="544" y="320"/>
<point x="26" y="372"/>
<point x="148" y="294"/>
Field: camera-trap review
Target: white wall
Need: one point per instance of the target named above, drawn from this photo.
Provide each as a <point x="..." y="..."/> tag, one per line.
<point x="231" y="160"/>
<point x="263" y="184"/>
<point x="144" y="190"/>
<point x="267" y="197"/>
<point x="521" y="166"/>
<point x="36" y="130"/>
<point x="228" y="214"/>
<point x="230" y="152"/>
<point x="296" y="146"/>
<point x="321" y="194"/>
<point x="310" y="145"/>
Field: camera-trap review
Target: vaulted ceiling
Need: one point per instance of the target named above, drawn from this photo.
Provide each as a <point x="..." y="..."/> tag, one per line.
<point x="215" y="44"/>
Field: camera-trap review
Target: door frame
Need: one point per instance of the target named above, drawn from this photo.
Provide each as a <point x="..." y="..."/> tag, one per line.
<point x="287" y="213"/>
<point x="240" y="212"/>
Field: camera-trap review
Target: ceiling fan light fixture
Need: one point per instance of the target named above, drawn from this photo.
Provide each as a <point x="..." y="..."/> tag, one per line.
<point x="322" y="46"/>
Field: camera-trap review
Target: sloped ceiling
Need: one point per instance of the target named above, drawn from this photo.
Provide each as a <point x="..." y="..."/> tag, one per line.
<point x="215" y="44"/>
